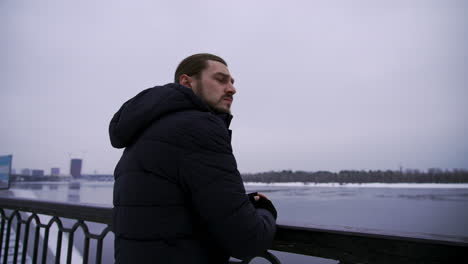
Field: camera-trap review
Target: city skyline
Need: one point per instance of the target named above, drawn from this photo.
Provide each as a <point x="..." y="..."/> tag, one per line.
<point x="401" y="169"/>
<point x="74" y="168"/>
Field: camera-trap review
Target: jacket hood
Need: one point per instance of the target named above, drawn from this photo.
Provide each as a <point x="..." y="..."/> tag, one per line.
<point x="138" y="113"/>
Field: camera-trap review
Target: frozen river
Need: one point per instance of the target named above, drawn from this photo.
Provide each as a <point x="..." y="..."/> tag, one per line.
<point x="415" y="208"/>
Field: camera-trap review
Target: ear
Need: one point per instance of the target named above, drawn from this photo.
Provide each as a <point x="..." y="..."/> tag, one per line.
<point x="185" y="80"/>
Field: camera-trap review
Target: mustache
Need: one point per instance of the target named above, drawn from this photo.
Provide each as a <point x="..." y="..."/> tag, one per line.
<point x="230" y="96"/>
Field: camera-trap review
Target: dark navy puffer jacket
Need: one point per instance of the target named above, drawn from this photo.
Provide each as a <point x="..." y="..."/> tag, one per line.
<point x="178" y="196"/>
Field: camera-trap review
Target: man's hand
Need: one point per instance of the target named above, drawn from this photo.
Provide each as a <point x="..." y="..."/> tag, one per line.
<point x="257" y="197"/>
<point x="259" y="200"/>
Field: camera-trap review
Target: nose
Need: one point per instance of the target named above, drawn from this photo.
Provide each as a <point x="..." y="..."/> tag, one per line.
<point x="231" y="89"/>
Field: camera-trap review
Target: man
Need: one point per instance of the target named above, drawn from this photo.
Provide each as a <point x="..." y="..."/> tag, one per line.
<point x="178" y="196"/>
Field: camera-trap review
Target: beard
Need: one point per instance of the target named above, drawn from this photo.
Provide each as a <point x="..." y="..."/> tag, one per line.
<point x="214" y="105"/>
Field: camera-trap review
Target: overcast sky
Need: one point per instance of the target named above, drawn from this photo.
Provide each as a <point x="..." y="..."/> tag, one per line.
<point x="321" y="85"/>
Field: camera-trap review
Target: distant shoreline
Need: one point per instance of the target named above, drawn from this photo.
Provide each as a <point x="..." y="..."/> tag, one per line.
<point x="294" y="184"/>
<point x="364" y="185"/>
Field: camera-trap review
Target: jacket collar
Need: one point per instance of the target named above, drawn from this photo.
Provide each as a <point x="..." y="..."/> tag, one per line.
<point x="225" y="117"/>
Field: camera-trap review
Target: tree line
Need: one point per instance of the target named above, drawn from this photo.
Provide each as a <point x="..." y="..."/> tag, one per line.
<point x="361" y="176"/>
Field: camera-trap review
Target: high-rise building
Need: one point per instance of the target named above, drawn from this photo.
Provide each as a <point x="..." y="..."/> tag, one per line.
<point x="75" y="168"/>
<point x="38" y="173"/>
<point x="54" y="171"/>
<point x="13" y="171"/>
<point x="26" y="172"/>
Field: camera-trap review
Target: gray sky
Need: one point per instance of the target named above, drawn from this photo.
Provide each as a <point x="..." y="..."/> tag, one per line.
<point x="322" y="85"/>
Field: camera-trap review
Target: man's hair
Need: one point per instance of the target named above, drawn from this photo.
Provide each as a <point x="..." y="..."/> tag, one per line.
<point x="195" y="64"/>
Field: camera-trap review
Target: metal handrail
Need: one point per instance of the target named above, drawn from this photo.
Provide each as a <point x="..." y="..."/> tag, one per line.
<point x="27" y="213"/>
<point x="351" y="245"/>
<point x="348" y="245"/>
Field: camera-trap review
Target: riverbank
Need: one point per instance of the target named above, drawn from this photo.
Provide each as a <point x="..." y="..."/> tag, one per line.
<point x="365" y="185"/>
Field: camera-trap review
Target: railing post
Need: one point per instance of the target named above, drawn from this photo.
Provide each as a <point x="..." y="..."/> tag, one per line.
<point x="59" y="240"/>
<point x="2" y="229"/>
<point x="26" y="239"/>
<point x="86" y="241"/>
<point x="45" y="243"/>
<point x="70" y="246"/>
<point x="7" y="238"/>
<point x="18" y="237"/>
<point x="36" y="242"/>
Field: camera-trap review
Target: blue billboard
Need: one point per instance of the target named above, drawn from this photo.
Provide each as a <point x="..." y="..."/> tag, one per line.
<point x="5" y="170"/>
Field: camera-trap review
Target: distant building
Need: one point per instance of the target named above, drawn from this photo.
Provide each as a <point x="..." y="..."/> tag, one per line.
<point x="55" y="172"/>
<point x="26" y="172"/>
<point x="37" y="173"/>
<point x="75" y="168"/>
<point x="13" y="171"/>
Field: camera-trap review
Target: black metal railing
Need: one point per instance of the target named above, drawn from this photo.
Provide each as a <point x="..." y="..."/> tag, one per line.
<point x="351" y="245"/>
<point x="22" y="219"/>
<point x="18" y="216"/>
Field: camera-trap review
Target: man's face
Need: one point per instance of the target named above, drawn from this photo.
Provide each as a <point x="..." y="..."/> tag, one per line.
<point x="215" y="86"/>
